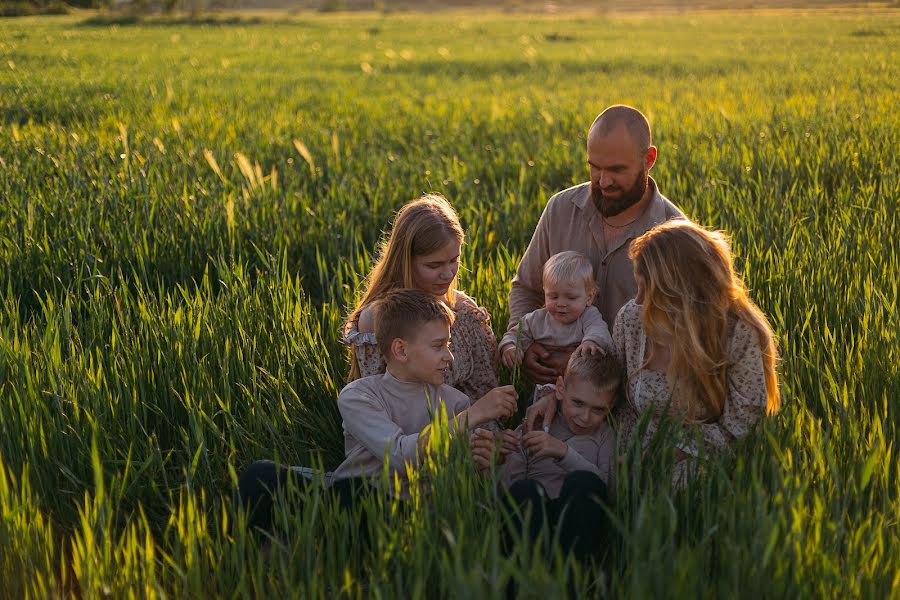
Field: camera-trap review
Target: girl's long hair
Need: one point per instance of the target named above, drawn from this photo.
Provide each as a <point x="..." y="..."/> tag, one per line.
<point x="421" y="227"/>
<point x="691" y="295"/>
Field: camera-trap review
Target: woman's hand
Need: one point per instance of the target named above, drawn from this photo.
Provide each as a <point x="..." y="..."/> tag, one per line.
<point x="540" y="444"/>
<point x="544" y="408"/>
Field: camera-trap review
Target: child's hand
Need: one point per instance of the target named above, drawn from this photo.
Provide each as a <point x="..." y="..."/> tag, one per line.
<point x="588" y="347"/>
<point x="509" y="442"/>
<point x="511" y="358"/>
<point x="483" y="445"/>
<point x="498" y="403"/>
<point x="540" y="444"/>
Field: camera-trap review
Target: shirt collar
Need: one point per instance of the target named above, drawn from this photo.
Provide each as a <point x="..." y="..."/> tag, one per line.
<point x="654" y="214"/>
<point x="396" y="384"/>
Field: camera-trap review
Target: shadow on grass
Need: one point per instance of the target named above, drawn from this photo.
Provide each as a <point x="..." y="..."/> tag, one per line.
<point x="203" y="20"/>
<point x="474" y="69"/>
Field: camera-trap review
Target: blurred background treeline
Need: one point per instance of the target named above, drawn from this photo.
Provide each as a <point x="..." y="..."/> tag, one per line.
<point x="193" y="7"/>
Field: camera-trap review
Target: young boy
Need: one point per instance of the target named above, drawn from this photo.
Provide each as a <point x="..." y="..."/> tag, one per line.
<point x="562" y="473"/>
<point x="388" y="415"/>
<point x="568" y="316"/>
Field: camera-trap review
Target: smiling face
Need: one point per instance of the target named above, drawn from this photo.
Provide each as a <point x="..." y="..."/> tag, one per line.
<point x="566" y="300"/>
<point x="584" y="406"/>
<point x="425" y="356"/>
<point x="434" y="272"/>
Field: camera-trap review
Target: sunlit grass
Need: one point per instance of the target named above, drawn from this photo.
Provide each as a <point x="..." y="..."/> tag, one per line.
<point x="188" y="211"/>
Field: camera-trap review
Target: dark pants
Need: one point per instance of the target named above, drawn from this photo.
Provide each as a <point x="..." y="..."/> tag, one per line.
<point x="261" y="481"/>
<point x="576" y="516"/>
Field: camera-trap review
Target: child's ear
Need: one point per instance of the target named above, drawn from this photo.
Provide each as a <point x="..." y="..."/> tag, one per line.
<point x="560" y="387"/>
<point x="398" y="350"/>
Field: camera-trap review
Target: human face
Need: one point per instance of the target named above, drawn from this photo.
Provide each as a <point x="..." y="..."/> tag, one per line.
<point x="433" y="273"/>
<point x="619" y="171"/>
<point x="584" y="406"/>
<point x="427" y="354"/>
<point x="566" y="300"/>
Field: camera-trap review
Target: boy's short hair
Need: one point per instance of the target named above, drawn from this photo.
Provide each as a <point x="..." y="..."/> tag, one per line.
<point x="600" y="370"/>
<point x="570" y="266"/>
<point x="400" y="313"/>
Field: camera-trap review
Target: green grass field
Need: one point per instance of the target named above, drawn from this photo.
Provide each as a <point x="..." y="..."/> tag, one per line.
<point x="174" y="274"/>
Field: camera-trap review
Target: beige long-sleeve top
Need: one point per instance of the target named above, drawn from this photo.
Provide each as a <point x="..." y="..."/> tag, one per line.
<point x="590" y="452"/>
<point x="649" y="391"/>
<point x="472" y="343"/>
<point x="571" y="222"/>
<point x="538" y="326"/>
<point x="383" y="417"/>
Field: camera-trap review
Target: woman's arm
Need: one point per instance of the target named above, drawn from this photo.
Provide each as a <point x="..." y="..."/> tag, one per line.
<point x="745" y="399"/>
<point x="361" y="339"/>
<point x="475" y="346"/>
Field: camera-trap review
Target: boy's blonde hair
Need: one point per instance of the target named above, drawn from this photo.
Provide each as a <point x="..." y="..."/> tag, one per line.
<point x="401" y="313"/>
<point x="570" y="266"/>
<point x="421" y="227"/>
<point x="600" y="370"/>
<point x="691" y="296"/>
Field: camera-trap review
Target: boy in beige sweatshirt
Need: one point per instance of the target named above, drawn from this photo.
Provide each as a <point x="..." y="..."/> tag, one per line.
<point x="561" y="474"/>
<point x="387" y="416"/>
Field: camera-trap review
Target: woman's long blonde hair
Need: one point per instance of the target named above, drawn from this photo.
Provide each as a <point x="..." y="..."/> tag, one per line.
<point x="691" y="292"/>
<point x="421" y="227"/>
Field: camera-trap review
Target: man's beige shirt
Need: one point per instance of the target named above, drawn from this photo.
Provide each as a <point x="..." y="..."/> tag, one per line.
<point x="571" y="222"/>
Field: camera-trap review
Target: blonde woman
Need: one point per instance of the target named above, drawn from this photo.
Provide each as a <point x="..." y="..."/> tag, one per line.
<point x="422" y="251"/>
<point x="692" y="343"/>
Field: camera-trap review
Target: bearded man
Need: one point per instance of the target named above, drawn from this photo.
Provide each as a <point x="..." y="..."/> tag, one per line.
<point x="598" y="218"/>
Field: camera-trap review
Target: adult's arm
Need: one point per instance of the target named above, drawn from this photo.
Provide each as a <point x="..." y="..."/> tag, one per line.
<point x="745" y="397"/>
<point x="618" y="337"/>
<point x="472" y="335"/>
<point x="361" y="339"/>
<point x="527" y="291"/>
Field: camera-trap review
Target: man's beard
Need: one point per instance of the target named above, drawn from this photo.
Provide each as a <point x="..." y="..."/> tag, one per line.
<point x="610" y="207"/>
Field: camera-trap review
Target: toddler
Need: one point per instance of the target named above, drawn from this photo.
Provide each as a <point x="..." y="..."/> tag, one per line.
<point x="568" y="316"/>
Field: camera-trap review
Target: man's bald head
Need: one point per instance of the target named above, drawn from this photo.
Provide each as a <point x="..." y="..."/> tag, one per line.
<point x="620" y="115"/>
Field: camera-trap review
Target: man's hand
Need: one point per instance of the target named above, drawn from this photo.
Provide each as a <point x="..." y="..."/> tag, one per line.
<point x="543" y="364"/>
<point x="498" y="403"/>
<point x="544" y="408"/>
<point x="540" y="444"/>
<point x="537" y="371"/>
